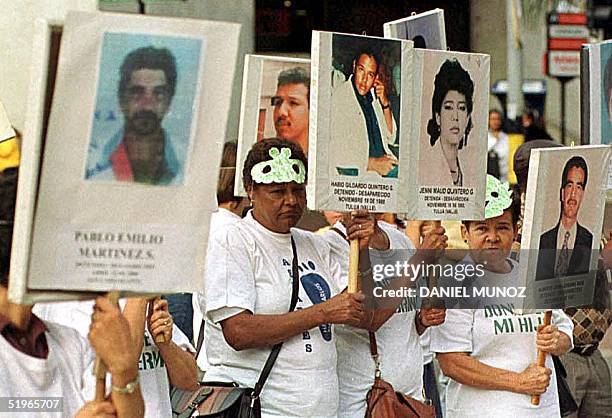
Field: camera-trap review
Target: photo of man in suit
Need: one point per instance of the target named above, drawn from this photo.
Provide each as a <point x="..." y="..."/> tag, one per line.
<point x="571" y="241"/>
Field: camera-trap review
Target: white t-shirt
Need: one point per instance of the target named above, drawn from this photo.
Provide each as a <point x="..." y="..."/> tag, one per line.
<point x="219" y="220"/>
<point x="65" y="373"/>
<point x="250" y="269"/>
<point x="499" y="338"/>
<point x="153" y="376"/>
<point x="501" y="147"/>
<point x="399" y="350"/>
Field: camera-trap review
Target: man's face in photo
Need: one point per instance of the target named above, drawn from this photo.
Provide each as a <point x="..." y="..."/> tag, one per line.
<point x="146" y="101"/>
<point x="291" y="111"/>
<point x="572" y="193"/>
<point x="364" y="73"/>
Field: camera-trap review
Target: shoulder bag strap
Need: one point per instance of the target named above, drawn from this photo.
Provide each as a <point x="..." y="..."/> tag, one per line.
<point x="200" y="339"/>
<point x="374" y="354"/>
<point x="337" y="231"/>
<point x="276" y="349"/>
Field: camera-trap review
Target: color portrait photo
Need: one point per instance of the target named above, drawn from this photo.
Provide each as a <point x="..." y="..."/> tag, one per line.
<point x="275" y="103"/>
<point x="142" y="124"/>
<point x="365" y="106"/>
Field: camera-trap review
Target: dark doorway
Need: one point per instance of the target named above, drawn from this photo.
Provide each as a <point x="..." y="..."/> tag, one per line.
<point x="285" y="25"/>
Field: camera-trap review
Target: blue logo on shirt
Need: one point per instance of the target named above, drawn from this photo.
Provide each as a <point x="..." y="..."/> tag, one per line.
<point x="318" y="291"/>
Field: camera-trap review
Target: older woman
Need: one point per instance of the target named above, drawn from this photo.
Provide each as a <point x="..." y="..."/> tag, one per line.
<point x="248" y="290"/>
<point x="490" y="353"/>
<point x="451" y="122"/>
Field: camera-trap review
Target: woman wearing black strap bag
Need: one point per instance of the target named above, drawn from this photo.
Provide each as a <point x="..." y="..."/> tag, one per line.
<point x="251" y="269"/>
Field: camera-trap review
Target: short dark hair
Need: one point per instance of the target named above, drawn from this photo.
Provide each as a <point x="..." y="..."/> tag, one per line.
<point x="578" y="162"/>
<point x="451" y="76"/>
<point x="370" y="52"/>
<point x="8" y="196"/>
<point x="514" y="208"/>
<point x="521" y="159"/>
<point x="501" y="115"/>
<point x="608" y="81"/>
<point x="227" y="174"/>
<point x="295" y="75"/>
<point x="150" y="58"/>
<point x="260" y="152"/>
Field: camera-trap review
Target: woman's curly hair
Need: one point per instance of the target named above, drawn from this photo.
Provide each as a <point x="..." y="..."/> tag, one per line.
<point x="451" y="76"/>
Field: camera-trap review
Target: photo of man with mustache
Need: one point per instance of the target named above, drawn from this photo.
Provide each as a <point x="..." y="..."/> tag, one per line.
<point x="141" y="152"/>
<point x="291" y="102"/>
<point x="571" y="241"/>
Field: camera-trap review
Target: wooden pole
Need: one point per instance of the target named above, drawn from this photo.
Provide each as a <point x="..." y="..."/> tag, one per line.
<point x="535" y="399"/>
<point x="99" y="367"/>
<point x="159" y="338"/>
<point x="353" y="279"/>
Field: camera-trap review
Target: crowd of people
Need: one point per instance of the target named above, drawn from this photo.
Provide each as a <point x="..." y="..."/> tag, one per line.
<point x="268" y="284"/>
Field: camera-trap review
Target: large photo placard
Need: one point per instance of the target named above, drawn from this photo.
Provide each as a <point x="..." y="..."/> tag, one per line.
<point x="275" y="103"/>
<point x="426" y="29"/>
<point x="360" y="120"/>
<point x="43" y="70"/>
<point x="596" y="93"/>
<point x="564" y="210"/>
<point x="6" y="130"/>
<point x="597" y="85"/>
<point x="126" y="195"/>
<point x="449" y="138"/>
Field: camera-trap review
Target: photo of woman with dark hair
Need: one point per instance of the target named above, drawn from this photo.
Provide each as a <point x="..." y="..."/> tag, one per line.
<point x="451" y="115"/>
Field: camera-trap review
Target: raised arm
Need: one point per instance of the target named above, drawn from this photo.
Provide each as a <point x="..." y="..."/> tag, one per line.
<point x="180" y="364"/>
<point x="135" y="311"/>
<point x="432" y="244"/>
<point x="109" y="334"/>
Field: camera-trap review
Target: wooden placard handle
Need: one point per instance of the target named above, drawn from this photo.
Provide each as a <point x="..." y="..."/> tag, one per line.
<point x="353" y="279"/>
<point x="99" y="367"/>
<point x="535" y="399"/>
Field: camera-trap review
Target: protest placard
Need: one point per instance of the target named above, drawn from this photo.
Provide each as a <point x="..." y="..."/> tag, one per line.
<point x="426" y="29"/>
<point x="275" y="103"/>
<point x="360" y="120"/>
<point x="6" y="130"/>
<point x="564" y="210"/>
<point x="127" y="181"/>
<point x="449" y="135"/>
<point x="596" y="96"/>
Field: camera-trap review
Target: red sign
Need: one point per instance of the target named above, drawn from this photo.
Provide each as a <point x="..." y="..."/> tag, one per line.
<point x="555" y="44"/>
<point x="567" y="18"/>
<point x="566" y="34"/>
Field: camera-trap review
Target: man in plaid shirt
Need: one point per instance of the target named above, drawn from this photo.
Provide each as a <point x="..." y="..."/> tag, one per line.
<point x="588" y="375"/>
